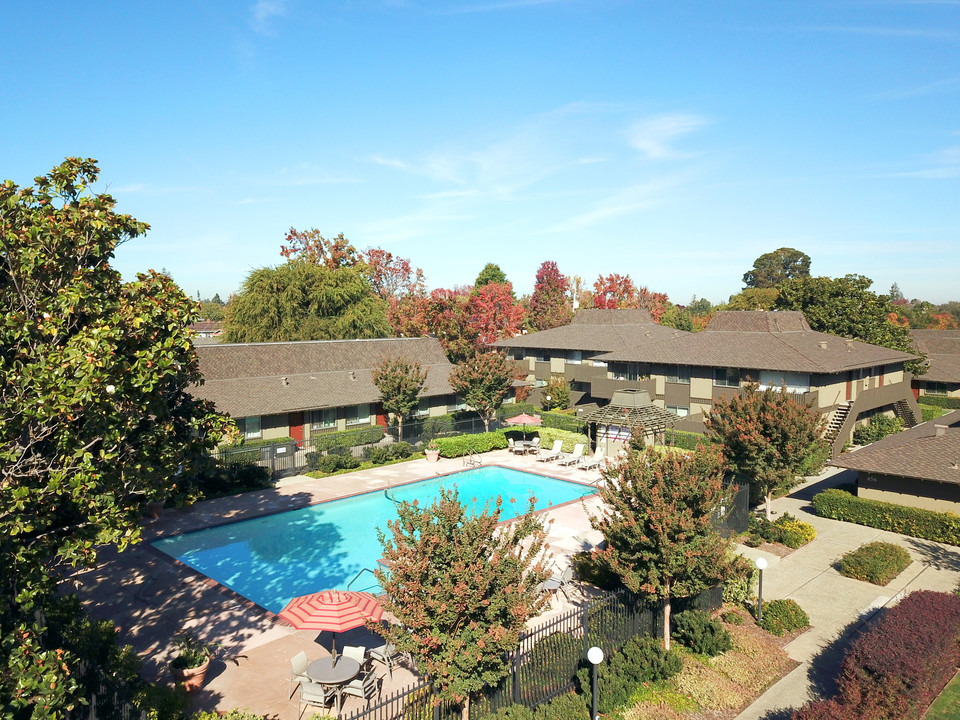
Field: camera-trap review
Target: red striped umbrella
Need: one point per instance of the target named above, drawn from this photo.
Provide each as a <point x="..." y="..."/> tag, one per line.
<point x="524" y="419"/>
<point x="334" y="610"/>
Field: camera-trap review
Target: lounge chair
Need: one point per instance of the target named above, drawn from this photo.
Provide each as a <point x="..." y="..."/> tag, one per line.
<point x="364" y="688"/>
<point x="553" y="454"/>
<point x="594" y="461"/>
<point x="573" y="458"/>
<point x="298" y="670"/>
<point x="312" y="693"/>
<point x="534" y="446"/>
<point x="559" y="581"/>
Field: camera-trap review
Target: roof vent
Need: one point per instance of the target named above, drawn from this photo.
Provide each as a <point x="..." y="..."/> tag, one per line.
<point x="941" y="430"/>
<point x="284" y="381"/>
<point x="823" y="344"/>
<point x="849" y="343"/>
<point x="352" y="374"/>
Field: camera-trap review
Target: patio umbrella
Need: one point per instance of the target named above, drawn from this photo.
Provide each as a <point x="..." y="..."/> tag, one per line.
<point x="524" y="419"/>
<point x="333" y="610"/>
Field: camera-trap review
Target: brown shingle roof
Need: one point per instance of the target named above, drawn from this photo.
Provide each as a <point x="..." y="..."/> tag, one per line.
<point x="271" y="378"/>
<point x="915" y="453"/>
<point x="943" y="353"/>
<point x="765" y="346"/>
<point x="596" y="330"/>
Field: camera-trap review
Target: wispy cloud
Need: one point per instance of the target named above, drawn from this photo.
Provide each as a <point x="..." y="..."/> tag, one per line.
<point x="496" y="6"/>
<point x="880" y="31"/>
<point x="653" y="136"/>
<point x="931" y="88"/>
<point x="263" y="14"/>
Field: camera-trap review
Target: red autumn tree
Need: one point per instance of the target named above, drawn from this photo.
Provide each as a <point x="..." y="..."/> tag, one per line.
<point x="493" y="313"/>
<point x="310" y="246"/>
<point x="400" y="382"/>
<point x="614" y="292"/>
<point x="483" y="382"/>
<point x="659" y="524"/>
<point x="766" y="436"/>
<point x="550" y="305"/>
<point x="393" y="277"/>
<point x="656" y="303"/>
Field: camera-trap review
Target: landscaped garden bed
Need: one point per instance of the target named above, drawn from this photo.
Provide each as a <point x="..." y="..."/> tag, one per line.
<point x="781" y="536"/>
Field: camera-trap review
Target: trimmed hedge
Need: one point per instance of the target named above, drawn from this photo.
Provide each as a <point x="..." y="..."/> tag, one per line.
<point x="550" y="435"/>
<point x="686" y="440"/>
<point x="876" y="562"/>
<point x="915" y="522"/>
<point x="877" y="428"/>
<point x="453" y="447"/>
<point x="347" y="438"/>
<point x="900" y="665"/>
<point x="943" y="401"/>
<point x="783" y="616"/>
<point x="550" y="418"/>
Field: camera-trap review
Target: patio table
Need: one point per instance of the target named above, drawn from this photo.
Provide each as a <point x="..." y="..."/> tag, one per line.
<point x="323" y="671"/>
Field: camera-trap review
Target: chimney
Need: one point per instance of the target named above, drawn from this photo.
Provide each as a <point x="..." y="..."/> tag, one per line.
<point x="823" y="344"/>
<point x="941" y="430"/>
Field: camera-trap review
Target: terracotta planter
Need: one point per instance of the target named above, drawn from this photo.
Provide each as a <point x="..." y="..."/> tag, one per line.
<point x="192" y="678"/>
<point x="432" y="455"/>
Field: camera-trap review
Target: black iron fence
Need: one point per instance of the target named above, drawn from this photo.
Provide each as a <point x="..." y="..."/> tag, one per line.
<point x="547" y="659"/>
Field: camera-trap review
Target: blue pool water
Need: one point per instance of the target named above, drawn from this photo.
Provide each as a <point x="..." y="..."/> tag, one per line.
<point x="273" y="559"/>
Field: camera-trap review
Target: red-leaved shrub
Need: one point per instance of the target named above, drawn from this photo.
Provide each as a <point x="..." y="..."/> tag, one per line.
<point x="900" y="665"/>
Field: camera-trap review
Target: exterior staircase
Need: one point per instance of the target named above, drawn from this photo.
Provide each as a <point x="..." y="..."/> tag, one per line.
<point x="903" y="411"/>
<point x="836" y="421"/>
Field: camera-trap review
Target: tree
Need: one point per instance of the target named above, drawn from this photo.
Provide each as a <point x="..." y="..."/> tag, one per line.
<point x="305" y="301"/>
<point x="555" y="394"/>
<point x="211" y="311"/>
<point x="491" y="312"/>
<point x="483" y="382"/>
<point x="311" y="247"/>
<point x="550" y="303"/>
<point x="399" y="382"/>
<point x="392" y="277"/>
<point x="772" y="268"/>
<point x="462" y="589"/>
<point x="491" y="273"/>
<point x="677" y="317"/>
<point x="896" y="297"/>
<point x="847" y="307"/>
<point x="658" y="521"/>
<point x="94" y="414"/>
<point x="753" y="299"/>
<point x="766" y="435"/>
<point x="614" y="291"/>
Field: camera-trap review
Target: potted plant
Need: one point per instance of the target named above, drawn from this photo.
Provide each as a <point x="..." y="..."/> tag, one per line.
<point x="193" y="658"/>
<point x="432" y="451"/>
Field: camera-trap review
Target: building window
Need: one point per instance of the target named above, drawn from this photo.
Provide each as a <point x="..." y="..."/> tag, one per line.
<point x="678" y="410"/>
<point x="678" y="374"/>
<point x="596" y="362"/>
<point x="422" y="409"/>
<point x="518" y="353"/>
<point x="795" y="382"/>
<point x="358" y="415"/>
<point x="726" y="377"/>
<point x="455" y="404"/>
<point x="575" y="357"/>
<point x="325" y="419"/>
<point x="628" y="371"/>
<point x="543" y="355"/>
<point x="250" y="427"/>
<point x="936" y="388"/>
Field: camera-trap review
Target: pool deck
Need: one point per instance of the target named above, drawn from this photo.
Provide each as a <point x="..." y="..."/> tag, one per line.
<point x="151" y="597"/>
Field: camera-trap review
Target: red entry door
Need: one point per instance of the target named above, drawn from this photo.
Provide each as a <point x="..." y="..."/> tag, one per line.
<point x="296" y="427"/>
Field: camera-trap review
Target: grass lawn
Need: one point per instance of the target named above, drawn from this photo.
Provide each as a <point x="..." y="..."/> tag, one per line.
<point x="931" y="412"/>
<point x="947" y="706"/>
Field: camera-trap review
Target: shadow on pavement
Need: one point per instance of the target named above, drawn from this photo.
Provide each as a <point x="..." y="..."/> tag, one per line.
<point x="779" y="714"/>
<point x="825" y="666"/>
<point x="934" y="555"/>
<point x="845" y="477"/>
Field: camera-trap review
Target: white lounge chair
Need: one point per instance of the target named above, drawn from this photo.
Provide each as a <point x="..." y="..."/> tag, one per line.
<point x="594" y="461"/>
<point x="553" y="454"/>
<point x="574" y="457"/>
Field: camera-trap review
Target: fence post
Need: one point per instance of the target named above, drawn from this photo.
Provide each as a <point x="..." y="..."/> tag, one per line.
<point x="516" y="674"/>
<point x="585" y="622"/>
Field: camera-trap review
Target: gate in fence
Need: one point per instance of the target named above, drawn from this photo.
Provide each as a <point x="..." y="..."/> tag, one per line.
<point x="548" y="657"/>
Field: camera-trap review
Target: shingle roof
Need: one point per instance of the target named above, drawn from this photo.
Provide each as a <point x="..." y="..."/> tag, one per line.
<point x="943" y="353"/>
<point x="915" y="453"/>
<point x="765" y="345"/>
<point x="597" y="330"/>
<point x="271" y="378"/>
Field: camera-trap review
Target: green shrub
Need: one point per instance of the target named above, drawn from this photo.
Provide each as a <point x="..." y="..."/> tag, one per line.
<point x="876" y="562"/>
<point x="732" y="618"/>
<point x="739" y="589"/>
<point x="642" y="659"/>
<point x="592" y="567"/>
<point x="685" y="440"/>
<point x="792" y="532"/>
<point x="877" y="428"/>
<point x="696" y="630"/>
<point x="511" y="712"/>
<point x="550" y="435"/>
<point x="569" y="706"/>
<point x="931" y="412"/>
<point x="460" y="445"/>
<point x="378" y="455"/>
<point x="818" y="454"/>
<point x="401" y="450"/>
<point x="329" y="463"/>
<point x="783" y="616"/>
<point x="235" y="714"/>
<point x="915" y="522"/>
<point x="367" y="435"/>
<point x="952" y="403"/>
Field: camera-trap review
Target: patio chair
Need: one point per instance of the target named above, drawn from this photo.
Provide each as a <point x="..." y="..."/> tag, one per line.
<point x="364" y="688"/>
<point x="298" y="670"/>
<point x="358" y="653"/>
<point x="534" y="446"/>
<point x="514" y="448"/>
<point x="312" y="693"/>
<point x="573" y="458"/>
<point x="552" y="454"/>
<point x="389" y="656"/>
<point x="594" y="461"/>
<point x="559" y="581"/>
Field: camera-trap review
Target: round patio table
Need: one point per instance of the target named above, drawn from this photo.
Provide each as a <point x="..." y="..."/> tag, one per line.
<point x="323" y="671"/>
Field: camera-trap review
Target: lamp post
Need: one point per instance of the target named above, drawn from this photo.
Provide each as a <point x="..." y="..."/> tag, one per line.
<point x="595" y="656"/>
<point x="761" y="564"/>
<point x="547" y="398"/>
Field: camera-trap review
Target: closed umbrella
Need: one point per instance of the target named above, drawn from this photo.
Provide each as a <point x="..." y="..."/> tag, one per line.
<point x="524" y="419"/>
<point x="333" y="610"/>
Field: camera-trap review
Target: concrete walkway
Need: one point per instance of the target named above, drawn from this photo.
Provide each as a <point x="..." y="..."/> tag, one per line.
<point x="838" y="606"/>
<point x="151" y="597"/>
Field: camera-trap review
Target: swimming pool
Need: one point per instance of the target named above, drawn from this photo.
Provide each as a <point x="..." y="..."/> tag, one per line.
<point x="273" y="559"/>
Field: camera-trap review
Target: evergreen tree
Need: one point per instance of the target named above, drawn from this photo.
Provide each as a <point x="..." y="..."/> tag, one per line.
<point x="400" y="383"/>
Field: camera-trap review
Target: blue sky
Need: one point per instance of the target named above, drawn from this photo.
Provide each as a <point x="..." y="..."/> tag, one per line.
<point x="674" y="141"/>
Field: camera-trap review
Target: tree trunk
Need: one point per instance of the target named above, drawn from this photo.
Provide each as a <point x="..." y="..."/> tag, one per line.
<point x="486" y="422"/>
<point x="666" y="623"/>
<point x="769" y="498"/>
<point x="399" y="428"/>
<point x="465" y="709"/>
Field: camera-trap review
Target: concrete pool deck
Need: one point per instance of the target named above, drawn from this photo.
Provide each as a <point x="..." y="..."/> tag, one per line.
<point x="151" y="597"/>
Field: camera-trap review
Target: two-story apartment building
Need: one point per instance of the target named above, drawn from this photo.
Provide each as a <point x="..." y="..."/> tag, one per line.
<point x="942" y="348"/>
<point x="847" y="380"/>
<point x="297" y="389"/>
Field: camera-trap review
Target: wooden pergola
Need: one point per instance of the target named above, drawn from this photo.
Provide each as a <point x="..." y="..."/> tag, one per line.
<point x="630" y="409"/>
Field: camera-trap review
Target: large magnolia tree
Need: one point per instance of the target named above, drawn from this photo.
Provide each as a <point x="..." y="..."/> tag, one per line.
<point x="462" y="588"/>
<point x="95" y="418"/>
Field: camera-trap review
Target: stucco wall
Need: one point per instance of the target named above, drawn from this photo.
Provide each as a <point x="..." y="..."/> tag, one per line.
<point x="942" y="497"/>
